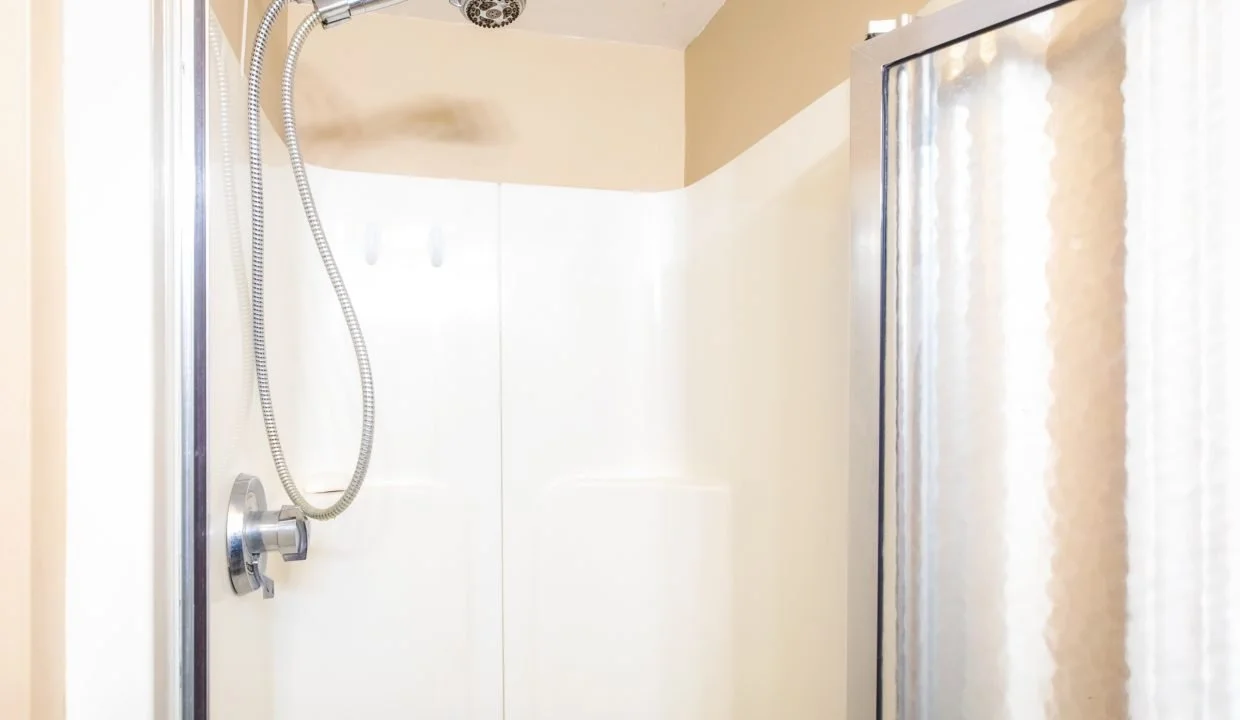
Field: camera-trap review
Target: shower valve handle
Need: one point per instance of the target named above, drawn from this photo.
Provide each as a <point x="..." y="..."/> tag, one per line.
<point x="293" y="520"/>
<point x="284" y="531"/>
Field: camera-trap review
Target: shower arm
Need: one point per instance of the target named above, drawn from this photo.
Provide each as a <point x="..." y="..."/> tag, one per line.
<point x="334" y="12"/>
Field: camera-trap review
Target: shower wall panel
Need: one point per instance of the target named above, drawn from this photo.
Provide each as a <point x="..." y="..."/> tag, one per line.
<point x="400" y="601"/>
<point x="616" y="550"/>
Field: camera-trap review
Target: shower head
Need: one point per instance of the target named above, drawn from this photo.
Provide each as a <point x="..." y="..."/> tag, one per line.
<point x="490" y="14"/>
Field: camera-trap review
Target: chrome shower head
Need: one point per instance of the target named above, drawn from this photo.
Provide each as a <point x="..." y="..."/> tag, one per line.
<point x="490" y="14"/>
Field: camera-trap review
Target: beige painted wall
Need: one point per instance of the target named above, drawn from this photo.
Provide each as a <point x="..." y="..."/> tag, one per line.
<point x="409" y="96"/>
<point x="759" y="62"/>
<point x="15" y="358"/>
<point x="48" y="385"/>
<point x="31" y="364"/>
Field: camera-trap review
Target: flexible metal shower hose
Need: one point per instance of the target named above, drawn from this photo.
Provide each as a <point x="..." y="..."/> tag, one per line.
<point x="257" y="315"/>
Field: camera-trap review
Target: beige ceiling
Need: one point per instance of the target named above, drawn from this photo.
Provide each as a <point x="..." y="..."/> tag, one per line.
<point x="667" y="23"/>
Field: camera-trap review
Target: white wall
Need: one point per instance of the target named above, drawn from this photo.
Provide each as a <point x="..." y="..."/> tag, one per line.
<point x="611" y="442"/>
<point x="112" y="251"/>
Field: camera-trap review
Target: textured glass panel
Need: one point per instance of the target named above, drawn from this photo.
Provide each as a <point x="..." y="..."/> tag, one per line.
<point x="1011" y="390"/>
<point x="1065" y="451"/>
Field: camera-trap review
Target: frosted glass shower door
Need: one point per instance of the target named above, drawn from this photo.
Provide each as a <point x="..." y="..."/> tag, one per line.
<point x="1046" y="415"/>
<point x="1011" y="560"/>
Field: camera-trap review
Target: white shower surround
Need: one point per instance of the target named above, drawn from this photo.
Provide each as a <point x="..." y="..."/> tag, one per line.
<point x="609" y="469"/>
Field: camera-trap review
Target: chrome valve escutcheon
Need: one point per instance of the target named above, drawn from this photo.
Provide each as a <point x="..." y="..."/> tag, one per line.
<point x="253" y="531"/>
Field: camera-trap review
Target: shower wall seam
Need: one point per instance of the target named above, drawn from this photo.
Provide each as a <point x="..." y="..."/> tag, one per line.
<point x="503" y="610"/>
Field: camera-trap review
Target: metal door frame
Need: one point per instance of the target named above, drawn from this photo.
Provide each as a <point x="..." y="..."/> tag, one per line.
<point x="181" y="90"/>
<point x="871" y="406"/>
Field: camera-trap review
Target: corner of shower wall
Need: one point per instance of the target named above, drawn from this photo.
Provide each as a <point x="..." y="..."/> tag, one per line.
<point x="767" y="279"/>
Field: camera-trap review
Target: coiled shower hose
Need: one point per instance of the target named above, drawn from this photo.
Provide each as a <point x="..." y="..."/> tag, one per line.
<point x="257" y="314"/>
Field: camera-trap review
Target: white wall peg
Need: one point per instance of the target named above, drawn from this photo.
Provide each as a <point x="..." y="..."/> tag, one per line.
<point x="371" y="240"/>
<point x="435" y="245"/>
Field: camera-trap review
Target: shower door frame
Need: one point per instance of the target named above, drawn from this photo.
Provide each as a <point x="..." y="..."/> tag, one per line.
<point x="182" y="570"/>
<point x="872" y="379"/>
